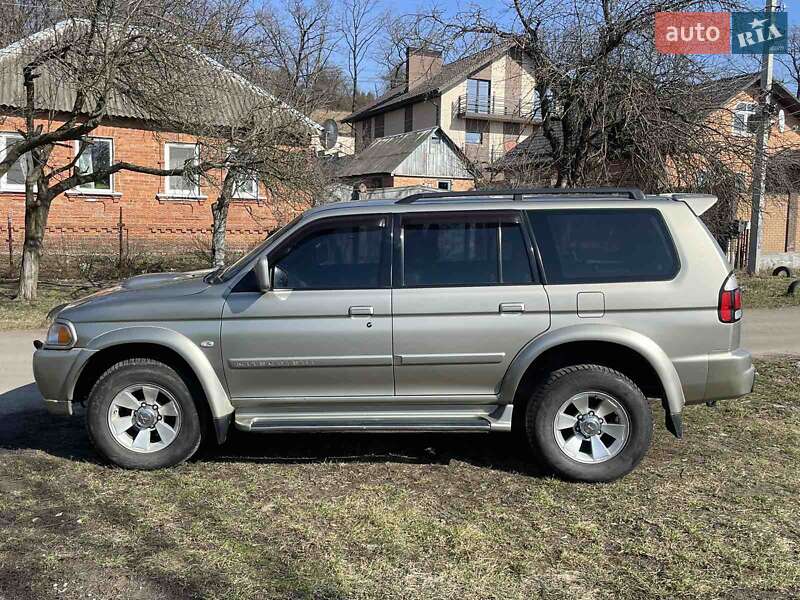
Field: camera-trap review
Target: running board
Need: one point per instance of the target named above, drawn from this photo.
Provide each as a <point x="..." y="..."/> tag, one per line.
<point x="456" y="419"/>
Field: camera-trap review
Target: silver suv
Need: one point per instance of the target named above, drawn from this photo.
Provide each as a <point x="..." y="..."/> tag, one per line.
<point x="554" y="313"/>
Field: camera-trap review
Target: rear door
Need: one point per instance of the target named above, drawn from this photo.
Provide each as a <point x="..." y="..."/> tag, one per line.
<point x="466" y="299"/>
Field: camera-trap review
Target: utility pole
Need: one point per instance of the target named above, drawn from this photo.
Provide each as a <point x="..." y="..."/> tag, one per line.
<point x="760" y="158"/>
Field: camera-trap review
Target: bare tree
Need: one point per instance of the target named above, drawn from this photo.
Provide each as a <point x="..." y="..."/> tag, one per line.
<point x="297" y="40"/>
<point x="590" y="61"/>
<point x="791" y="60"/>
<point x="265" y="156"/>
<point x="361" y="22"/>
<point x="80" y="72"/>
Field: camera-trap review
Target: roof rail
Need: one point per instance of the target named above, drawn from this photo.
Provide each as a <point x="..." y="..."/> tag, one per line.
<point x="517" y="194"/>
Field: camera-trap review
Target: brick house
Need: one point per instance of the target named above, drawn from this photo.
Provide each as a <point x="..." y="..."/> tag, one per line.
<point x="485" y="102"/>
<point x="161" y="212"/>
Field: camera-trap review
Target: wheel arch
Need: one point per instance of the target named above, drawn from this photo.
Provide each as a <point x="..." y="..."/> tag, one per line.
<point x="171" y="348"/>
<point x="627" y="351"/>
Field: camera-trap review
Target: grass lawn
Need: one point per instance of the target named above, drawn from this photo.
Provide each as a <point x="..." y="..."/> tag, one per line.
<point x="766" y="292"/>
<point x="402" y="516"/>
<point x="25" y="315"/>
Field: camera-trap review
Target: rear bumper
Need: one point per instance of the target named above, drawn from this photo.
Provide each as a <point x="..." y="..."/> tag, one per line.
<point x="730" y="375"/>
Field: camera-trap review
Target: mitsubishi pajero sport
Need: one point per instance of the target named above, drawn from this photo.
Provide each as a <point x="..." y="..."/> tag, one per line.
<point x="559" y="314"/>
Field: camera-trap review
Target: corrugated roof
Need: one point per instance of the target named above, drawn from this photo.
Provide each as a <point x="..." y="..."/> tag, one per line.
<point x="223" y="97"/>
<point x="385" y="154"/>
<point x="449" y="75"/>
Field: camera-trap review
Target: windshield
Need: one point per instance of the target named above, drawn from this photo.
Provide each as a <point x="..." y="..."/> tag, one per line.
<point x="224" y="274"/>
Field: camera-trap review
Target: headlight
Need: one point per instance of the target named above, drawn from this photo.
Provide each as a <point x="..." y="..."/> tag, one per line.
<point x="61" y="335"/>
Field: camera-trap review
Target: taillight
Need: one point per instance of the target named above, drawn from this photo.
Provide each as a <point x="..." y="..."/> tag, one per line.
<point x="730" y="301"/>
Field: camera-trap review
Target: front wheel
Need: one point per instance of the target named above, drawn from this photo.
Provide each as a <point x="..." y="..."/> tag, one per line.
<point x="141" y="415"/>
<point x="589" y="423"/>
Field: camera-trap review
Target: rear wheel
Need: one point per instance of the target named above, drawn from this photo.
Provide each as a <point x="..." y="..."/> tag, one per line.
<point x="141" y="415"/>
<point x="589" y="423"/>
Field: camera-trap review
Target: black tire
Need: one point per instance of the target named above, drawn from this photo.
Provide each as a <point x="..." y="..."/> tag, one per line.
<point x="142" y="371"/>
<point x="563" y="384"/>
<point x="781" y="272"/>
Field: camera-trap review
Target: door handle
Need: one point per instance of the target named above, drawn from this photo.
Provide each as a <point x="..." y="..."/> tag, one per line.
<point x="512" y="307"/>
<point x="361" y="311"/>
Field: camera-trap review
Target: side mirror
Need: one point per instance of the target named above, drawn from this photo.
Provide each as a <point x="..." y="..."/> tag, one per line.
<point x="262" y="274"/>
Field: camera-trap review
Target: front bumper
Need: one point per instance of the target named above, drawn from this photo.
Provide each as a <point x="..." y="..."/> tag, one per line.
<point x="730" y="375"/>
<point x="56" y="372"/>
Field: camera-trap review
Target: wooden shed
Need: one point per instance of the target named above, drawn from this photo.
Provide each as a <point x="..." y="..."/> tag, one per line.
<point x="426" y="157"/>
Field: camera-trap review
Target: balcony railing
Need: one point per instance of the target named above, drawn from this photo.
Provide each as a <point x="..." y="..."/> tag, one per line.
<point x="495" y="108"/>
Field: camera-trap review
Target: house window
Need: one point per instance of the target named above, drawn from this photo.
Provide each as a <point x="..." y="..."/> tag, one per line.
<point x="14" y="179"/>
<point x="380" y="125"/>
<point x="95" y="154"/>
<point x="175" y="157"/>
<point x="444" y="184"/>
<point x="744" y="122"/>
<point x="246" y="187"/>
<point x="474" y="132"/>
<point x="512" y="129"/>
<point x="479" y="92"/>
<point x="408" y="118"/>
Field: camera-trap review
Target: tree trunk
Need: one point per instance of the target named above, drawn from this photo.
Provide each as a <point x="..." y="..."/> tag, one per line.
<point x="219" y="212"/>
<point x="36" y="212"/>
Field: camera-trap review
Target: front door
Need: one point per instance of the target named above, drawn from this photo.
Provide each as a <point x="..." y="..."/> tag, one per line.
<point x="466" y="300"/>
<point x="325" y="328"/>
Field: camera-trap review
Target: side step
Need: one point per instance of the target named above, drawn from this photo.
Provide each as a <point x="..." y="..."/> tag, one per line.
<point x="457" y="419"/>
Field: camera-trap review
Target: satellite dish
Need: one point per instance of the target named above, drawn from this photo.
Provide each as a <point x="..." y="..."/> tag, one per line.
<point x="329" y="134"/>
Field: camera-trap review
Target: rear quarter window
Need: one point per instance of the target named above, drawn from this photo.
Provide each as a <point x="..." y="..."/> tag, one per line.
<point x="604" y="245"/>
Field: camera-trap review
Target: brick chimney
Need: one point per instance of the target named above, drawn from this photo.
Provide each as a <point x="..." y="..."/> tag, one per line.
<point x="421" y="64"/>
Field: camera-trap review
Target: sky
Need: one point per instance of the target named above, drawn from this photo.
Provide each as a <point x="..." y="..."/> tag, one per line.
<point x="371" y="76"/>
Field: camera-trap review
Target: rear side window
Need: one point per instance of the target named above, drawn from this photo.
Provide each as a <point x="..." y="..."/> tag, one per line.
<point x="464" y="250"/>
<point x="604" y="245"/>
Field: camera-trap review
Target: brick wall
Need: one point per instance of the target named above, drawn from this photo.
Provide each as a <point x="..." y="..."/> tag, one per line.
<point x="147" y="214"/>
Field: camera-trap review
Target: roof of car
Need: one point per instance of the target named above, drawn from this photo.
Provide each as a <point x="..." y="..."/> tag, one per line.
<point x="488" y="200"/>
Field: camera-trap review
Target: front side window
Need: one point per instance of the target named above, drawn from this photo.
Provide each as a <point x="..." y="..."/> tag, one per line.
<point x="336" y="255"/>
<point x="94" y="155"/>
<point x="14" y="179"/>
<point x="604" y="245"/>
<point x="176" y="157"/>
<point x="463" y="250"/>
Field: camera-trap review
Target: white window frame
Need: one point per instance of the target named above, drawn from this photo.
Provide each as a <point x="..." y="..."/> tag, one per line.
<point x="744" y="111"/>
<point x="92" y="190"/>
<point x="782" y="120"/>
<point x="240" y="195"/>
<point x="4" y="185"/>
<point x="449" y="183"/>
<point x="237" y="193"/>
<point x="180" y="193"/>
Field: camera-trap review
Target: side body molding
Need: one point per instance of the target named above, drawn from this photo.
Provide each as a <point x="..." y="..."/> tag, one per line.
<point x="597" y="333"/>
<point x="219" y="403"/>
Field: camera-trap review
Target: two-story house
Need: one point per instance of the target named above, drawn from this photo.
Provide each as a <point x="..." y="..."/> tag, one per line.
<point x="484" y="102"/>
